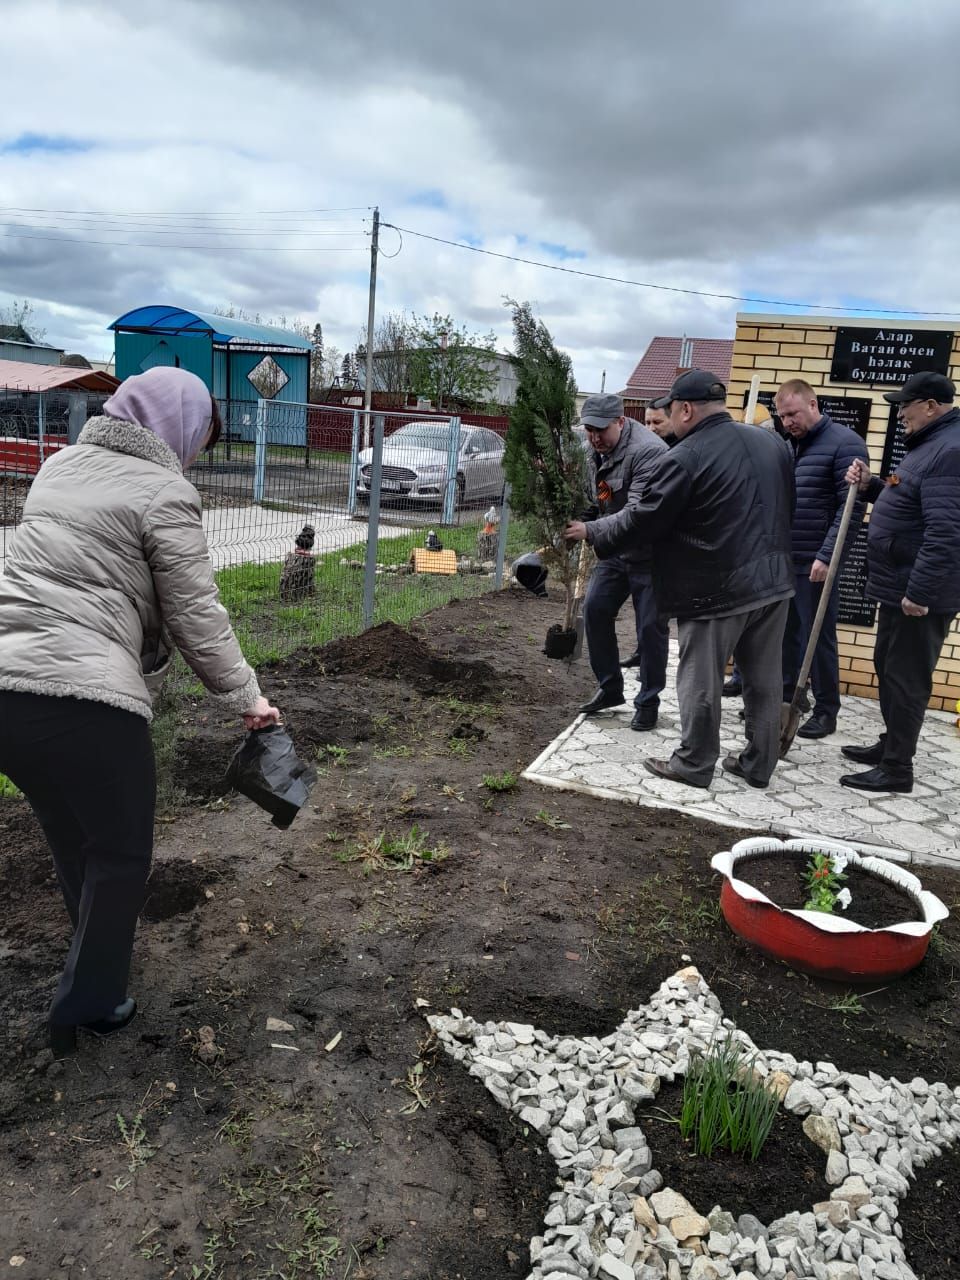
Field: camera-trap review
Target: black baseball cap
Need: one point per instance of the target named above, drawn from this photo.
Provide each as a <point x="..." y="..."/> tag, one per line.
<point x="694" y="385"/>
<point x="923" y="386"/>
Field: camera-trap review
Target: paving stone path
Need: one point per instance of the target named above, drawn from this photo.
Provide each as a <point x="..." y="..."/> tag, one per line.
<point x="601" y="755"/>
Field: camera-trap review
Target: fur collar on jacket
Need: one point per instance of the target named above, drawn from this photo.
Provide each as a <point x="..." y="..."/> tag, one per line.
<point x="131" y="438"/>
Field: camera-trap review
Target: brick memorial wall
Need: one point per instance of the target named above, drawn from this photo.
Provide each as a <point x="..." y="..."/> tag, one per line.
<point x="850" y="363"/>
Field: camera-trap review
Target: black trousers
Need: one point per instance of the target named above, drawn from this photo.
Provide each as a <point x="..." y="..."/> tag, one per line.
<point x="825" y="670"/>
<point x="905" y="654"/>
<point x="87" y="770"/>
<point x="611" y="581"/>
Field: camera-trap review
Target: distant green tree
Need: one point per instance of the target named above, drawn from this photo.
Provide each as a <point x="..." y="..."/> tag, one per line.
<point x="447" y="363"/>
<point x="543" y="459"/>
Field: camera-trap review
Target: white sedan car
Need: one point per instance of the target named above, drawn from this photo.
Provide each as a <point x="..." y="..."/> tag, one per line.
<point x="415" y="464"/>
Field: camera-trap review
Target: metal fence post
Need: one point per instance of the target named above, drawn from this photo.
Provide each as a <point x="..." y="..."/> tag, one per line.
<point x="260" y="451"/>
<point x="41" y="427"/>
<point x="453" y="457"/>
<point x="373" y="526"/>
<point x="354" y="479"/>
<point x="502" y="536"/>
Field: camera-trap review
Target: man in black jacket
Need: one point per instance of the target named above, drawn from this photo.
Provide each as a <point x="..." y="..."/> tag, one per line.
<point x="913" y="571"/>
<point x="718" y="510"/>
<point x="822" y="451"/>
<point x="623" y="456"/>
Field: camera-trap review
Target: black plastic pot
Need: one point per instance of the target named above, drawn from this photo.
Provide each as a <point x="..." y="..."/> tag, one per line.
<point x="560" y="643"/>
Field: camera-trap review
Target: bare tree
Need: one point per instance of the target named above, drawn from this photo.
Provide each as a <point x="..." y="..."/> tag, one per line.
<point x="21" y="314"/>
<point x="393" y="343"/>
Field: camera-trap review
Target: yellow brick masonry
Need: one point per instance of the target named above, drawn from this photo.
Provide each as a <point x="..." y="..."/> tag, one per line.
<point x="779" y="348"/>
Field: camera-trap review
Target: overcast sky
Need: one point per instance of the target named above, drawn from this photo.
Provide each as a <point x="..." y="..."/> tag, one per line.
<point x="800" y="151"/>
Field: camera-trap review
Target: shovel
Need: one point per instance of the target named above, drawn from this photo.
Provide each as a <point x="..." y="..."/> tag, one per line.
<point x="790" y="712"/>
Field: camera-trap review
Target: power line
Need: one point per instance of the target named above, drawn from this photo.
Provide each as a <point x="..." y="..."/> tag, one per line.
<point x="207" y="248"/>
<point x="668" y="288"/>
<point x="161" y="230"/>
<point x="195" y="213"/>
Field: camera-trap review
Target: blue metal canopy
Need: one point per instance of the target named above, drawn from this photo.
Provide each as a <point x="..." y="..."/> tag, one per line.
<point x="222" y="330"/>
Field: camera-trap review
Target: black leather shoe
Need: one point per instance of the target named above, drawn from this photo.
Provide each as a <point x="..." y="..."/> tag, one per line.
<point x="877" y="780"/>
<point x="732" y="688"/>
<point x="732" y="765"/>
<point x="818" y="726"/>
<point x="661" y="768"/>
<point x="633" y="661"/>
<point x="644" y="718"/>
<point x="63" y="1040"/>
<point x="864" y="755"/>
<point x="600" y="701"/>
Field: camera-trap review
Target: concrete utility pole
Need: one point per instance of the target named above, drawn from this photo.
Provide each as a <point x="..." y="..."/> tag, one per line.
<point x="368" y="377"/>
<point x="603" y="381"/>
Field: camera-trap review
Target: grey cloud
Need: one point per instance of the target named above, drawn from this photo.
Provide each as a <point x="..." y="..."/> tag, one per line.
<point x="662" y="130"/>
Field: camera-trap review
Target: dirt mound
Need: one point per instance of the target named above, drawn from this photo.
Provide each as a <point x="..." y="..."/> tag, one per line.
<point x="389" y="651"/>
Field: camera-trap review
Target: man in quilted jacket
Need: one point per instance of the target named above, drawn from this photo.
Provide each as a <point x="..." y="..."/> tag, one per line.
<point x="822" y="451"/>
<point x="913" y="571"/>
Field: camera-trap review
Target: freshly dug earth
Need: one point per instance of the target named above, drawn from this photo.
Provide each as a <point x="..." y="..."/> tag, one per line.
<point x="338" y="1140"/>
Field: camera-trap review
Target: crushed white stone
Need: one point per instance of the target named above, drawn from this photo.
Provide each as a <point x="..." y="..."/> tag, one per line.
<point x="612" y="1218"/>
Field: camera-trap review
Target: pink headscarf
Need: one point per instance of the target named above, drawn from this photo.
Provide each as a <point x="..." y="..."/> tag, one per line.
<point x="172" y="403"/>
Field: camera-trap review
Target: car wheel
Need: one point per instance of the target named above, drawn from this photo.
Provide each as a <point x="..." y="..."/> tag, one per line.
<point x="459" y="498"/>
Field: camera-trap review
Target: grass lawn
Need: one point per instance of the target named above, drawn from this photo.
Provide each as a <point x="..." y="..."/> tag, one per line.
<point x="269" y="629"/>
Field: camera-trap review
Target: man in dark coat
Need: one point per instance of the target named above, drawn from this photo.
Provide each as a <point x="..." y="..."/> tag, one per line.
<point x="823" y="452"/>
<point x="622" y="457"/>
<point x="718" y="510"/>
<point x="913" y="571"/>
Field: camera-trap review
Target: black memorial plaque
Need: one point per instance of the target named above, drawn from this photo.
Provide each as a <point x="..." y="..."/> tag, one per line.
<point x="848" y="411"/>
<point x="887" y="356"/>
<point x="894" y="444"/>
<point x="853" y="608"/>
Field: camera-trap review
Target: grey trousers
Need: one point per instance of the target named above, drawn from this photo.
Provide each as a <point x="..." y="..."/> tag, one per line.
<point x="755" y="639"/>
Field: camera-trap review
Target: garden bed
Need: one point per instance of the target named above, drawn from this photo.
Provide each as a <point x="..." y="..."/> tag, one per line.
<point x="348" y="1141"/>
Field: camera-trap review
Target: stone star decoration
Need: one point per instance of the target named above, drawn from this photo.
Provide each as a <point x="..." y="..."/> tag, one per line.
<point x="611" y="1217"/>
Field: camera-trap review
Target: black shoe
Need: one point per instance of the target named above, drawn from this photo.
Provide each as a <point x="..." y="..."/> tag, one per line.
<point x="63" y="1040"/>
<point x="864" y="755"/>
<point x="818" y="726"/>
<point x="633" y="661"/>
<point x="661" y="768"/>
<point x="732" y="688"/>
<point x="732" y="765"/>
<point x="600" y="701"/>
<point x="644" y="718"/>
<point x="877" y="780"/>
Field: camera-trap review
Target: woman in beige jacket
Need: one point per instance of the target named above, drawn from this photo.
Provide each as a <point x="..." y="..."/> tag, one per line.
<point x="108" y="574"/>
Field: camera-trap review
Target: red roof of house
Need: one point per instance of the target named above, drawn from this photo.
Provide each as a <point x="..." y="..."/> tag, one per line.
<point x="659" y="364"/>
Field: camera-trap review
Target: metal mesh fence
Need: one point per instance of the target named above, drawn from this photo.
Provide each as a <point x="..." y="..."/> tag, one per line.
<point x="313" y="514"/>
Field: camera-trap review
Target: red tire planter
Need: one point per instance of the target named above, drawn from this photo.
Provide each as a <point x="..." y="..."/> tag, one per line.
<point x="818" y="943"/>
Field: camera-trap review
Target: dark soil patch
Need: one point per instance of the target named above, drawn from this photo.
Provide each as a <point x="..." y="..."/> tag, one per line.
<point x="390" y="651"/>
<point x="176" y="887"/>
<point x="926" y="1217"/>
<point x="553" y="908"/>
<point x="875" y="903"/>
<point x="787" y="1174"/>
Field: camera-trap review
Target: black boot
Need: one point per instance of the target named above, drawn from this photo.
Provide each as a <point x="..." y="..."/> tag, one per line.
<point x="63" y="1040"/>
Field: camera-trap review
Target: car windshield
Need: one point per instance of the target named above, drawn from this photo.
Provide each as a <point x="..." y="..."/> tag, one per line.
<point x="423" y="435"/>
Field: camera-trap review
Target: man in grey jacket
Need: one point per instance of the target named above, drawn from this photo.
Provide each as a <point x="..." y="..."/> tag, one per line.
<point x="623" y="456"/>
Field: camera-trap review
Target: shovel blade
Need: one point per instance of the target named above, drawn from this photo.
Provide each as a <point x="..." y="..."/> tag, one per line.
<point x="789" y="724"/>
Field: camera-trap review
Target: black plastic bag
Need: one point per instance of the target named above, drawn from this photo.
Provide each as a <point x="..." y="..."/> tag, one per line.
<point x="266" y="770"/>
